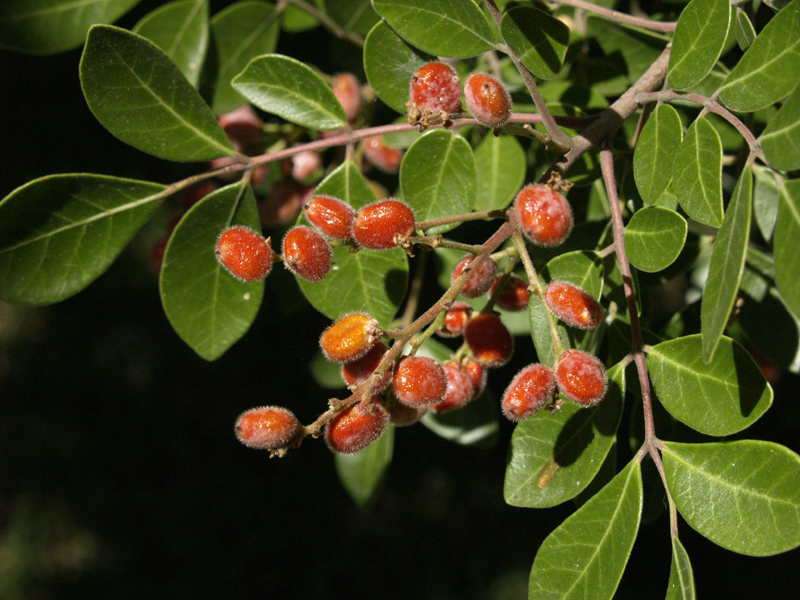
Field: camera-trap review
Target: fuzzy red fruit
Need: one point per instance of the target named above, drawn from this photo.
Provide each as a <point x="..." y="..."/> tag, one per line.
<point x="478" y="373"/>
<point x="481" y="279"/>
<point x="403" y="415"/>
<point x="573" y="305"/>
<point x="436" y="86"/>
<point x="544" y="215"/>
<point x="349" y="338"/>
<point x="581" y="377"/>
<point x="490" y="341"/>
<point x="456" y="319"/>
<point x="331" y="216"/>
<point x="356" y="427"/>
<point x="381" y="156"/>
<point x="487" y="100"/>
<point x="419" y="381"/>
<point x="348" y="92"/>
<point x="377" y="224"/>
<point x="306" y="253"/>
<point x="245" y="254"/>
<point x="267" y="427"/>
<point x="460" y="388"/>
<point x="529" y="392"/>
<point x="515" y="294"/>
<point x="359" y="370"/>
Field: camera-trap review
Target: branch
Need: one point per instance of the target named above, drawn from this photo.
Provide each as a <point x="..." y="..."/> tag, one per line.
<point x="613" y="15"/>
<point x="326" y="21"/>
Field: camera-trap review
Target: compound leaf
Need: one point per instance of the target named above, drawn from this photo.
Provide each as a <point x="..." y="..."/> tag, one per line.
<point x="781" y="138"/>
<point x="697" y="173"/>
<point x="787" y="259"/>
<point x="698" y="42"/>
<point x="681" y="576"/>
<point x="500" y="162"/>
<point x="654" y="238"/>
<point x="655" y="152"/>
<point x="766" y="200"/>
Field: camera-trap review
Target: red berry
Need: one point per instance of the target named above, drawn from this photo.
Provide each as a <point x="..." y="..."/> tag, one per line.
<point x="529" y="392"/>
<point x="245" y="254"/>
<point x="477" y="372"/>
<point x="572" y="305"/>
<point x="243" y="127"/>
<point x="419" y="381"/>
<point x="544" y="215"/>
<point x="331" y="216"/>
<point x="350" y="337"/>
<point x="381" y="156"/>
<point x="348" y="92"/>
<point x="581" y="377"/>
<point x="356" y="427"/>
<point x="490" y="341"/>
<point x="460" y="388"/>
<point x="267" y="427"/>
<point x="306" y="253"/>
<point x="359" y="370"/>
<point x="436" y="86"/>
<point x="376" y="225"/>
<point x="403" y="415"/>
<point x="487" y="100"/>
<point x="515" y="294"/>
<point x="481" y="279"/>
<point x="456" y="319"/>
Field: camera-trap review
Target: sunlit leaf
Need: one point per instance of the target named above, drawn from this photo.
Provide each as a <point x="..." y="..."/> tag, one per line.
<point x="781" y="138"/>
<point x="538" y="38"/>
<point x="787" y="232"/>
<point x="697" y="173"/>
<point x="654" y="238"/>
<point x="361" y="473"/>
<point x="655" y="152"/>
<point x="500" y="162"/>
<point x="698" y="41"/>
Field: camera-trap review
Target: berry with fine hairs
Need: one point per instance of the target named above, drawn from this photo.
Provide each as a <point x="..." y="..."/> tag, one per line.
<point x="477" y="372"/>
<point x="490" y="341"/>
<point x="481" y="279"/>
<point x="529" y="392"/>
<point x="436" y="86"/>
<point x="515" y="295"/>
<point x="487" y="100"/>
<point x="460" y="388"/>
<point x="544" y="215"/>
<point x="350" y="338"/>
<point x="306" y="253"/>
<point x="455" y="319"/>
<point x="267" y="427"/>
<point x="378" y="224"/>
<point x="356" y="427"/>
<point x="573" y="305"/>
<point x="245" y="254"/>
<point x="581" y="377"/>
<point x="382" y="156"/>
<point x="331" y="216"/>
<point x="348" y="92"/>
<point x="403" y="415"/>
<point x="359" y="370"/>
<point x="419" y="381"/>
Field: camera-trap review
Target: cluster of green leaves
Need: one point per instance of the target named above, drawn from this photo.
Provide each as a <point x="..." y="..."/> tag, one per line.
<point x="710" y="197"/>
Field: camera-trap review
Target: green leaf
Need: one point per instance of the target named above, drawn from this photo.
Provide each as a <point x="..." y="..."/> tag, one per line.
<point x="455" y="28"/>
<point x="390" y="62"/>
<point x="727" y="263"/>
<point x="745" y="32"/>
<point x="698" y="41"/>
<point x="743" y="495"/>
<point x="290" y="89"/>
<point x="180" y="29"/>
<point x="540" y="39"/>
<point x="239" y="33"/>
<point x="362" y="472"/>
<point x="635" y="49"/>
<point x="720" y="398"/>
<point x="500" y="162"/>
<point x="553" y="457"/>
<point x="655" y="152"/>
<point x="357" y="16"/>
<point x="766" y="200"/>
<point x="59" y="233"/>
<point x="770" y="68"/>
<point x="654" y="238"/>
<point x="296" y="20"/>
<point x="787" y="232"/>
<point x="52" y="26"/>
<point x="207" y="306"/>
<point x="697" y="173"/>
<point x="141" y="97"/>
<point x="585" y="556"/>
<point x="781" y="138"/>
<point x="681" y="577"/>
<point x="438" y="177"/>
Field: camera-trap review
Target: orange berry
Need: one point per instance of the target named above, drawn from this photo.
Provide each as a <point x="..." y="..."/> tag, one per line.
<point x="331" y="216"/>
<point x="477" y="372"/>
<point x="245" y="254"/>
<point x="460" y="388"/>
<point x="515" y="295"/>
<point x="348" y="92"/>
<point x="572" y="305"/>
<point x="581" y="377"/>
<point x="481" y="279"/>
<point x="529" y="392"/>
<point x="456" y="319"/>
<point x="490" y="341"/>
<point x="544" y="215"/>
<point x="381" y="156"/>
<point x="267" y="427"/>
<point x="377" y="224"/>
<point x="306" y="253"/>
<point x="359" y="370"/>
<point x="350" y="337"/>
<point x="356" y="427"/>
<point x="403" y="415"/>
<point x="436" y="86"/>
<point x="419" y="381"/>
<point x="487" y="100"/>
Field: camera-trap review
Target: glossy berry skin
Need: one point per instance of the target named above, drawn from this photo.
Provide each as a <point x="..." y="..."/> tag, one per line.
<point x="436" y="86"/>
<point x="544" y="215"/>
<point x="349" y="338"/>
<point x="529" y="392"/>
<point x="267" y="427"/>
<point x="331" y="216"/>
<point x="460" y="388"/>
<point x="487" y="100"/>
<point x="478" y="373"/>
<point x="348" y="92"/>
<point x="381" y="156"/>
<point x="377" y="224"/>
<point x="490" y="341"/>
<point x="581" y="377"/>
<point x="245" y="254"/>
<point x="456" y="319"/>
<point x="515" y="294"/>
<point x="481" y="279"/>
<point x="356" y="427"/>
<point x="419" y="381"/>
<point x="306" y="253"/>
<point x="359" y="370"/>
<point x="572" y="305"/>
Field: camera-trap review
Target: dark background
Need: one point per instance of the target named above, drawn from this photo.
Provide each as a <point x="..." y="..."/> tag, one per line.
<point x="120" y="476"/>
